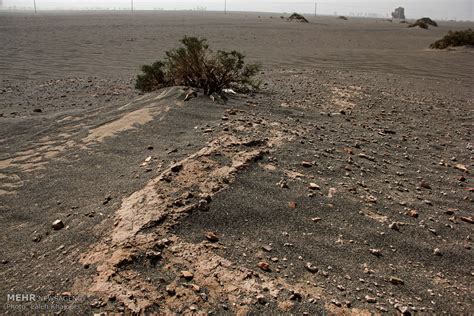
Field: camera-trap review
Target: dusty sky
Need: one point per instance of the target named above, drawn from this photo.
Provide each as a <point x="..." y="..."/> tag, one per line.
<point x="439" y="9"/>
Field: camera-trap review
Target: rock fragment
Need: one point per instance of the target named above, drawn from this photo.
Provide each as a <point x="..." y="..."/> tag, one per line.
<point x="292" y="204"/>
<point x="394" y="226"/>
<point x="211" y="236"/>
<point x="396" y="281"/>
<point x="188" y="275"/>
<point x="203" y="205"/>
<point x="306" y="164"/>
<point x="311" y="268"/>
<point x="376" y="252"/>
<point x="264" y="266"/>
<point x="461" y="167"/>
<point x="58" y="224"/>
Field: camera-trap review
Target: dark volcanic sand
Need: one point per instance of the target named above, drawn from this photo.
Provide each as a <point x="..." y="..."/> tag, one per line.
<point x="385" y="123"/>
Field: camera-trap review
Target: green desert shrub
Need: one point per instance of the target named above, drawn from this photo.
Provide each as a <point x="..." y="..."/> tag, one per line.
<point x="195" y="65"/>
<point x="453" y="39"/>
<point x="153" y="77"/>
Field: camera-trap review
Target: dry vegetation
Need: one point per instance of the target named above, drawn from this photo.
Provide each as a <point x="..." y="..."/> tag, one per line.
<point x="424" y="23"/>
<point x="455" y="39"/>
<point x="298" y="18"/>
<point x="195" y="65"/>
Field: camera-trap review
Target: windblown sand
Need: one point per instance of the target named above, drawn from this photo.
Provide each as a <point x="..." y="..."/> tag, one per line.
<point x="344" y="186"/>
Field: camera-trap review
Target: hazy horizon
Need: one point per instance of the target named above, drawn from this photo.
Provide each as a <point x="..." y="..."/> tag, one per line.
<point x="440" y="9"/>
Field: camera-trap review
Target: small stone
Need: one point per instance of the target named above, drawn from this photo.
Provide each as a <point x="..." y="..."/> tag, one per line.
<point x="292" y="204"/>
<point x="405" y="310"/>
<point x="412" y="213"/>
<point x="466" y="219"/>
<point x="371" y="199"/>
<point x="311" y="268"/>
<point x="177" y="168"/>
<point x="316" y="219"/>
<point x="57" y="224"/>
<point x="211" y="236"/>
<point x="394" y="226"/>
<point x="37" y="110"/>
<point x="37" y="238"/>
<point x="195" y="287"/>
<point x="264" y="266"/>
<point x="188" y="275"/>
<point x="203" y="205"/>
<point x="282" y="184"/>
<point x="261" y="299"/>
<point x="295" y="296"/>
<point x="461" y="167"/>
<point x="267" y="248"/>
<point x="370" y="299"/>
<point x="396" y="281"/>
<point x="376" y="252"/>
<point x="306" y="164"/>
<point x="171" y="290"/>
<point x="425" y="185"/>
<point x="437" y="252"/>
<point x="314" y="186"/>
<point x="336" y="302"/>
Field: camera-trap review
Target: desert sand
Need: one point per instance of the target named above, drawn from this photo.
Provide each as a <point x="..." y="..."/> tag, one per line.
<point x="344" y="186"/>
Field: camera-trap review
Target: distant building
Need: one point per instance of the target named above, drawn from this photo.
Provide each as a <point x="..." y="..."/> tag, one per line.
<point x="399" y="13"/>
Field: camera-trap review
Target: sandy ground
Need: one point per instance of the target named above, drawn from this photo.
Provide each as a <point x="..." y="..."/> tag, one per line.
<point x="343" y="187"/>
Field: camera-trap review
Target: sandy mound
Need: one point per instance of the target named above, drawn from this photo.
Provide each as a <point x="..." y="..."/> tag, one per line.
<point x="428" y="21"/>
<point x="424" y="23"/>
<point x="455" y="39"/>
<point x="295" y="17"/>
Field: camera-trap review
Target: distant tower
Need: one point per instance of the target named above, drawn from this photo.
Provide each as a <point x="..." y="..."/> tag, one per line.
<point x="399" y="13"/>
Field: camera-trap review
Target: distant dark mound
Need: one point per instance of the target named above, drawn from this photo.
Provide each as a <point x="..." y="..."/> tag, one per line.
<point x="297" y="18"/>
<point x="419" y="24"/>
<point x="455" y="39"/>
<point x="428" y="21"/>
<point x="342" y="18"/>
